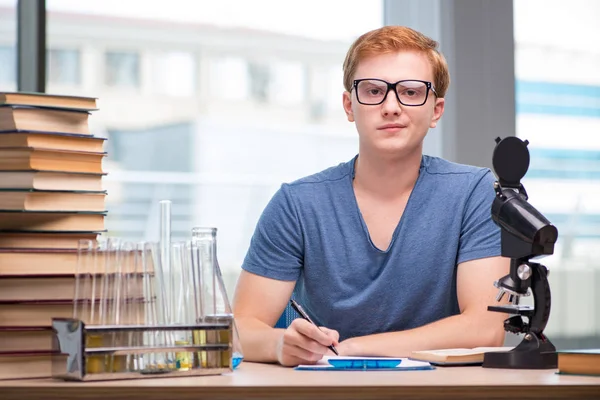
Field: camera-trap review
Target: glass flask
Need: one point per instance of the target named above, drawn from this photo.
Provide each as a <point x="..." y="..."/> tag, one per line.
<point x="214" y="302"/>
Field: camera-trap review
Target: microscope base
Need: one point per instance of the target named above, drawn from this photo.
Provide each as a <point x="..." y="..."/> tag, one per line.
<point x="531" y="353"/>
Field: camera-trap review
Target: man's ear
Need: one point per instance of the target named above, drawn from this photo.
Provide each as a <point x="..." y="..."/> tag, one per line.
<point x="347" y="103"/>
<point x="438" y="111"/>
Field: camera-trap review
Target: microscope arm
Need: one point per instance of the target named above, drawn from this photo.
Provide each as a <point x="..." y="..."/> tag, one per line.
<point x="541" y="299"/>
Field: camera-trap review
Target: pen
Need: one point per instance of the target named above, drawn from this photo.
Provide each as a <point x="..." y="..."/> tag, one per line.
<point x="304" y="315"/>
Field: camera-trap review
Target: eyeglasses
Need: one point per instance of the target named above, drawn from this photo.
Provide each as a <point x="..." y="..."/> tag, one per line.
<point x="410" y="92"/>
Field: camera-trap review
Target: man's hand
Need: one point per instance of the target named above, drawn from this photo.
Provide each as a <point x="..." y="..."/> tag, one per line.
<point x="304" y="343"/>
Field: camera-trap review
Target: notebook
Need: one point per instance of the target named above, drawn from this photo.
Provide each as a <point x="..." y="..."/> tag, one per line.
<point x="342" y="363"/>
<point x="455" y="356"/>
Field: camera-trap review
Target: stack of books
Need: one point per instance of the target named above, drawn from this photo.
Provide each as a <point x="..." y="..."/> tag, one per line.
<point x="51" y="197"/>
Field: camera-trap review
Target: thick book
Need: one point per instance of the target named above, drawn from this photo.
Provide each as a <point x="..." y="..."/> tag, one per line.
<point x="44" y="240"/>
<point x="44" y="262"/>
<point x="37" y="288"/>
<point x="15" y="118"/>
<point x="579" y="362"/>
<point x="25" y="339"/>
<point x="49" y="200"/>
<point x="48" y="100"/>
<point x="36" y="262"/>
<point x="46" y="221"/>
<point x="40" y="314"/>
<point x="52" y="140"/>
<point x="26" y="365"/>
<point x="29" y="158"/>
<point x="456" y="356"/>
<point x="51" y="180"/>
<point x="62" y="288"/>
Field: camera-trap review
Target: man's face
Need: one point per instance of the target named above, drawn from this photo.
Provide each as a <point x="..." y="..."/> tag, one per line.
<point x="391" y="128"/>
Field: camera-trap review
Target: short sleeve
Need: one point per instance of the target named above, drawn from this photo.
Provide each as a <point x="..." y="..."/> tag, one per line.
<point x="479" y="235"/>
<point x="276" y="247"/>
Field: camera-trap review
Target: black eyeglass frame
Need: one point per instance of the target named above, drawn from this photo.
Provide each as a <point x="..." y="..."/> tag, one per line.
<point x="392" y="86"/>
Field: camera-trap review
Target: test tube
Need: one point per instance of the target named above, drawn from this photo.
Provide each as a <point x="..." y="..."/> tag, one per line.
<point x="199" y="336"/>
<point x="180" y="304"/>
<point x="157" y="309"/>
<point x="139" y="302"/>
<point x="165" y="281"/>
<point x="95" y="282"/>
<point x="130" y="299"/>
<point x="149" y="303"/>
<point x="165" y="235"/>
<point x="98" y="304"/>
<point x="119" y="313"/>
<point x="105" y="312"/>
<point x="82" y="273"/>
<point x="105" y="261"/>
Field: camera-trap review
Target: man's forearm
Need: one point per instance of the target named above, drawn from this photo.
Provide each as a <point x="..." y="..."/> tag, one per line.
<point x="457" y="331"/>
<point x="259" y="340"/>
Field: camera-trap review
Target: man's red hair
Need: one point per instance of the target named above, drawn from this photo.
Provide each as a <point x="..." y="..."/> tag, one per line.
<point x="391" y="39"/>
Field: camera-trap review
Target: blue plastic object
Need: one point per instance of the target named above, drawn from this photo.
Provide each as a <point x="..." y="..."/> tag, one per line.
<point x="237" y="360"/>
<point x="362" y="363"/>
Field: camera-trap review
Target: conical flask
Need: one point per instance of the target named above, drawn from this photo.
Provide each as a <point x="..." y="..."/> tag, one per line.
<point x="215" y="302"/>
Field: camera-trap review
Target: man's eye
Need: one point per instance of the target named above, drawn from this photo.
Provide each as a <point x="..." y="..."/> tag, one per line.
<point x="374" y="92"/>
<point x="410" y="93"/>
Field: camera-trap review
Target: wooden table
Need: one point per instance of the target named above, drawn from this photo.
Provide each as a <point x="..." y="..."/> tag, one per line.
<point x="274" y="382"/>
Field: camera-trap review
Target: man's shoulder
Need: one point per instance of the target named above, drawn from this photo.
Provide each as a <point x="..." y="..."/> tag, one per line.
<point x="441" y="166"/>
<point x="458" y="180"/>
<point x="332" y="174"/>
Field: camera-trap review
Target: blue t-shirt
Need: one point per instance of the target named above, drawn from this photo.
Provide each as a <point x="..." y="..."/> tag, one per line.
<point x="312" y="232"/>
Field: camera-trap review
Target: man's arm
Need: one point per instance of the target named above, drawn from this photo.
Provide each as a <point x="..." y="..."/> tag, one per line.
<point x="475" y="326"/>
<point x="258" y="304"/>
<point x="271" y="267"/>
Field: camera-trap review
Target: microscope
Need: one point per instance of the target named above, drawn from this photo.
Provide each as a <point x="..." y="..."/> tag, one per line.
<point x="525" y="235"/>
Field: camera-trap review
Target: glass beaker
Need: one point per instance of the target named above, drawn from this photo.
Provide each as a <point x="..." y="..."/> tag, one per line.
<point x="214" y="302"/>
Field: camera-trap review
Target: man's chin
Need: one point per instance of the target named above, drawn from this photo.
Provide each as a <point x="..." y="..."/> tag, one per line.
<point x="397" y="149"/>
<point x="394" y="146"/>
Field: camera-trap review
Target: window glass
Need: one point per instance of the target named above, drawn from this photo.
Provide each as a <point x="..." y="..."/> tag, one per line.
<point x="229" y="78"/>
<point x="8" y="65"/>
<point x="558" y="111"/>
<point x="63" y="67"/>
<point x="8" y="45"/>
<point x="173" y="73"/>
<point x="122" y="69"/>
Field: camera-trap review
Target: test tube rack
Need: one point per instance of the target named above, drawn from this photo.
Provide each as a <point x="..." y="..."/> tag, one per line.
<point x="80" y="352"/>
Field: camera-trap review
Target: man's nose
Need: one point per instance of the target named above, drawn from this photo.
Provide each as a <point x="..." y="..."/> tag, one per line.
<point x="390" y="105"/>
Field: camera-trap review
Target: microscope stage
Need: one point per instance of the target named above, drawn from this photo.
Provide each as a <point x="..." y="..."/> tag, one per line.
<point x="514" y="309"/>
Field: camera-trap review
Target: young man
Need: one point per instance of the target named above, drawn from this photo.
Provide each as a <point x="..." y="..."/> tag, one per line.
<point x="390" y="252"/>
